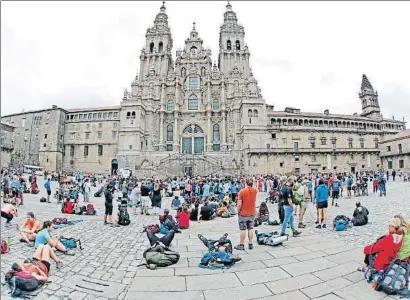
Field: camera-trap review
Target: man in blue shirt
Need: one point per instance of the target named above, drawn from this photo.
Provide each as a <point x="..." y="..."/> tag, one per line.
<point x="15" y="188"/>
<point x="335" y="191"/>
<point x="206" y="192"/>
<point x="234" y="191"/>
<point x="322" y="195"/>
<point x="47" y="185"/>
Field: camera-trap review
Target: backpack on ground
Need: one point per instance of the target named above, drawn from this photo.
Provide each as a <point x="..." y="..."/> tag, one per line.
<point x="90" y="210"/>
<point x="78" y="210"/>
<point x="59" y="221"/>
<point x="226" y="215"/>
<point x="123" y="215"/>
<point x="216" y="260"/>
<point x="22" y="283"/>
<point x="340" y="223"/>
<point x="162" y="257"/>
<point x="394" y="279"/>
<point x="232" y="209"/>
<point x="4" y="247"/>
<point x="270" y="238"/>
<point x="70" y="243"/>
<point x="42" y="199"/>
<point x="153" y="228"/>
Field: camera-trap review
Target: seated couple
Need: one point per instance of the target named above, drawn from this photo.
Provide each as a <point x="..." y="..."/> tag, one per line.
<point x="395" y="244"/>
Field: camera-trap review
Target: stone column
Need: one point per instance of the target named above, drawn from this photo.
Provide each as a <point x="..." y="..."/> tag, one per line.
<point x="209" y="113"/>
<point x="161" y="120"/>
<point x="176" y="109"/>
<point x="223" y="112"/>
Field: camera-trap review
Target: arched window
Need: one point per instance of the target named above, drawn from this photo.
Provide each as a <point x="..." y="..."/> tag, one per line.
<point x="228" y="44"/>
<point x="128" y="115"/>
<point x="133" y="115"/>
<point x="151" y="47"/>
<point x="170" y="133"/>
<point x="216" y="133"/>
<point x="215" y="104"/>
<point x="250" y="114"/>
<point x="198" y="129"/>
<point x="170" y="105"/>
<point x="238" y="45"/>
<point x="160" y="47"/>
<point x="193" y="102"/>
<point x="255" y="113"/>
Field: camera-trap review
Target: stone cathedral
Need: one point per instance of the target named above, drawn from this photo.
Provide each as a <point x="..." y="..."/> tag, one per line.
<point x="191" y="109"/>
<point x="195" y="117"/>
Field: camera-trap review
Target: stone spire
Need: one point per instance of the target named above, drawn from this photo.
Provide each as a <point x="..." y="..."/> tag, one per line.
<point x="229" y="15"/>
<point x="366" y="85"/>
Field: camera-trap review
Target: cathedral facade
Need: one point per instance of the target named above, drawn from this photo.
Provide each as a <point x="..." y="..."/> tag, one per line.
<point x="192" y="116"/>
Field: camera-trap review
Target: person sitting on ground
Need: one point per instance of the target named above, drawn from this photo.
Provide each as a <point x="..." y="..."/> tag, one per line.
<point x="176" y="203"/>
<point x="29" y="229"/>
<point x="43" y="237"/>
<point x="168" y="221"/>
<point x="226" y="198"/>
<point x="41" y="258"/>
<point x="385" y="249"/>
<point x="223" y="209"/>
<point x="195" y="213"/>
<point x="404" y="252"/>
<point x="207" y="213"/>
<point x="183" y="217"/>
<point x="263" y="213"/>
<point x="360" y="215"/>
<point x="8" y="211"/>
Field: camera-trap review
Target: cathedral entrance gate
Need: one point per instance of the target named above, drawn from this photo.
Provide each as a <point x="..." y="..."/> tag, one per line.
<point x="193" y="140"/>
<point x="114" y="166"/>
<point x="189" y="172"/>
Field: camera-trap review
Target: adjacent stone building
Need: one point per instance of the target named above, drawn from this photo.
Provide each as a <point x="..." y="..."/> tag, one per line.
<point x="192" y="116"/>
<point x="395" y="152"/>
<point x="6" y="144"/>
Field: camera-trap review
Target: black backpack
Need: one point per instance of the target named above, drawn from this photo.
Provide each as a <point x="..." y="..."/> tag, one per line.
<point x="42" y="199"/>
<point x="123" y="216"/>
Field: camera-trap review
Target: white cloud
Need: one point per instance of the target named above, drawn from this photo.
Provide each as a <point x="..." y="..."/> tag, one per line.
<point x="303" y="54"/>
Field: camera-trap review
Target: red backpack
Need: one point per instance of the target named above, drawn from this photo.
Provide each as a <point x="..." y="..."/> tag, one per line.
<point x="4" y="247"/>
<point x="90" y="209"/>
<point x="58" y="221"/>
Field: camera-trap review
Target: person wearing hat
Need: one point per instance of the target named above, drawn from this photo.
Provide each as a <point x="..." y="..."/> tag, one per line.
<point x="287" y="196"/>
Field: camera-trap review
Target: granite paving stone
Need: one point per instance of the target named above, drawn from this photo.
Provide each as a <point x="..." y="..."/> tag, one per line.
<point x="189" y="295"/>
<point x="294" y="295"/>
<point x="211" y="282"/>
<point x="238" y="293"/>
<point x="261" y="276"/>
<point x="327" y="287"/>
<point x="158" y="284"/>
<point x="309" y="266"/>
<point x="294" y="283"/>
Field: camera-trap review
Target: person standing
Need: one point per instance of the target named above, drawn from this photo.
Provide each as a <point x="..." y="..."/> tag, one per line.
<point x="145" y="199"/>
<point x="87" y="190"/>
<point x="246" y="214"/>
<point x="6" y="186"/>
<point x="108" y="204"/>
<point x="156" y="198"/>
<point x="287" y="196"/>
<point x="135" y="197"/>
<point x="393" y="174"/>
<point x="335" y="191"/>
<point x="206" y="191"/>
<point x="322" y="196"/>
<point x="47" y="186"/>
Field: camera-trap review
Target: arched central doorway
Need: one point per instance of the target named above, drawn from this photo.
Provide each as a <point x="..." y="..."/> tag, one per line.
<point x="193" y="140"/>
<point x="114" y="167"/>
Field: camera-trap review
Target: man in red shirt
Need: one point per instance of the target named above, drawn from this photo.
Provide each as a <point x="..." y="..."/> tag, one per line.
<point x="246" y="213"/>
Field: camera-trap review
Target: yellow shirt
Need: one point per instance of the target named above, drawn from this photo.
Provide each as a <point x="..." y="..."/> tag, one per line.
<point x="227" y="199"/>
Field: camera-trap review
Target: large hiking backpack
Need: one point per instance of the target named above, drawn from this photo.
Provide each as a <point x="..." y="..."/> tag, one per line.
<point x="22" y="283"/>
<point x="123" y="216"/>
<point x="270" y="238"/>
<point x="4" y="247"/>
<point x="90" y="210"/>
<point x="163" y="257"/>
<point x="340" y="223"/>
<point x="70" y="243"/>
<point x="59" y="221"/>
<point x="394" y="279"/>
<point x="361" y="217"/>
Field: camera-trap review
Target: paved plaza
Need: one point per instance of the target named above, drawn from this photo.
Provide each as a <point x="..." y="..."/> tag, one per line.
<point x="320" y="264"/>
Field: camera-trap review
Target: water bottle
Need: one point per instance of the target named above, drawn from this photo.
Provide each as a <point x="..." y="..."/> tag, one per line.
<point x="9" y="240"/>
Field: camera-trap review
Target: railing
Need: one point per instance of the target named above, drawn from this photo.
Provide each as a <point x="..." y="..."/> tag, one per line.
<point x="309" y="150"/>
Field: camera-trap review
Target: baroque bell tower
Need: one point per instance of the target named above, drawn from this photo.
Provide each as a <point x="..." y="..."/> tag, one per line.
<point x="157" y="53"/>
<point x="369" y="98"/>
<point x="232" y="49"/>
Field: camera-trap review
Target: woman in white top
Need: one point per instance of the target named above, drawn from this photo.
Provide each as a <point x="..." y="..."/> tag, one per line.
<point x="135" y="197"/>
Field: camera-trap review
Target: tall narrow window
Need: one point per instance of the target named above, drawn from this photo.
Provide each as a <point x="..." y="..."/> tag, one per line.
<point x="255" y="113"/>
<point x="100" y="150"/>
<point x="85" y="150"/>
<point x="23" y="123"/>
<point x="128" y="115"/>
<point x="193" y="82"/>
<point x="151" y="47"/>
<point x="250" y="114"/>
<point x="362" y="143"/>
<point x="170" y="105"/>
<point x="216" y="133"/>
<point x="215" y="104"/>
<point x="228" y="45"/>
<point x="160" y="47"/>
<point x="170" y="133"/>
<point x="296" y="147"/>
<point x="72" y="150"/>
<point x="350" y="141"/>
<point x="133" y="115"/>
<point x="192" y="103"/>
<point x="238" y="45"/>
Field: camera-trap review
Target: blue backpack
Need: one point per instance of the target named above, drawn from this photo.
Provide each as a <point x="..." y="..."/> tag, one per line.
<point x="340" y="223"/>
<point x="70" y="243"/>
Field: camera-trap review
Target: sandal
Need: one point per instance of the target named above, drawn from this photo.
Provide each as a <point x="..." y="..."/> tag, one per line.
<point x="361" y="269"/>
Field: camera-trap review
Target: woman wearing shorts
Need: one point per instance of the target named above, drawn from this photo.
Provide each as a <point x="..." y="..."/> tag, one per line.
<point x="108" y="204"/>
<point x="322" y="196"/>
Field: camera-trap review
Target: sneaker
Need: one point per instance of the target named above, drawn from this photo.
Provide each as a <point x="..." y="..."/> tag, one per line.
<point x="301" y="225"/>
<point x="59" y="265"/>
<point x="282" y="234"/>
<point x="319" y="226"/>
<point x="23" y="241"/>
<point x="69" y="252"/>
<point x="147" y="214"/>
<point x="324" y="226"/>
<point x="317" y="222"/>
<point x="240" y="247"/>
<point x="250" y="246"/>
<point x="296" y="233"/>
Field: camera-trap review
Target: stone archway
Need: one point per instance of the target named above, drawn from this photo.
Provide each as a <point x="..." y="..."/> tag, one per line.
<point x="114" y="167"/>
